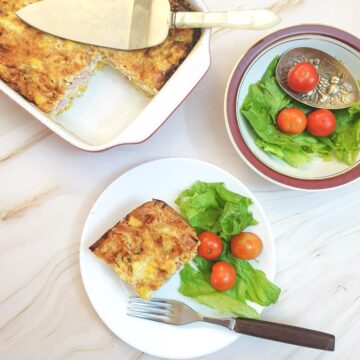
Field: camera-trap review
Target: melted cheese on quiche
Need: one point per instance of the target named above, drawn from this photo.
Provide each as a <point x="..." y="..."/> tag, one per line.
<point x="148" y="246"/>
<point x="43" y="68"/>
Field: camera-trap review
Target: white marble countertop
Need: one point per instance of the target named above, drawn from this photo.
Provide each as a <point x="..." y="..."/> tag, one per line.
<point x="48" y="187"/>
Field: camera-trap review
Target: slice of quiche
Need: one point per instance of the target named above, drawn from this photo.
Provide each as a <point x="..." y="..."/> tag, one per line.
<point x="148" y="246"/>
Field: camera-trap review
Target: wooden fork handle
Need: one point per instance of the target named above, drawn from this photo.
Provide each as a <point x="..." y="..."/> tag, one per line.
<point x="285" y="333"/>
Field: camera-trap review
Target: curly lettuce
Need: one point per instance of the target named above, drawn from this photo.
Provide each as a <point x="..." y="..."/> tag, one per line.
<point x="212" y="207"/>
<point x="262" y="104"/>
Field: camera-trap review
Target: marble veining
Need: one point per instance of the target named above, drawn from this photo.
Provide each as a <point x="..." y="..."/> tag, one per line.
<point x="48" y="187"/>
<point x="21" y="208"/>
<point x="25" y="146"/>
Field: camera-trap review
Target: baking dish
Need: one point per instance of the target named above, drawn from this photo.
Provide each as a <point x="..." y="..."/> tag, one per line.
<point x="111" y="112"/>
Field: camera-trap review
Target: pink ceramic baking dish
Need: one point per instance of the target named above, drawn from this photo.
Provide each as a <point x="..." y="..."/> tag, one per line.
<point x="111" y="112"/>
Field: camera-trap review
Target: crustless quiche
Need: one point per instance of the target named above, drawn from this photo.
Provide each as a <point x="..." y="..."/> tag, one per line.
<point x="148" y="246"/>
<point x="50" y="72"/>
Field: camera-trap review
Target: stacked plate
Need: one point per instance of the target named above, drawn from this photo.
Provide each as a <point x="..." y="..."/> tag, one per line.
<point x="318" y="174"/>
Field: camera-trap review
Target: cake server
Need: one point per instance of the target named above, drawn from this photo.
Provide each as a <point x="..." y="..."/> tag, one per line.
<point x="130" y="24"/>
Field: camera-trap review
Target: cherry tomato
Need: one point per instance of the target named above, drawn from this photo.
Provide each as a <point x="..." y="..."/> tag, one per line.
<point x="210" y="245"/>
<point x="223" y="276"/>
<point x="246" y="245"/>
<point x="321" y="123"/>
<point x="291" y="121"/>
<point x="303" y="77"/>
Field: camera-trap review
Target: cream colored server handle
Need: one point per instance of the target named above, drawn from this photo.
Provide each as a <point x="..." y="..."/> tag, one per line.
<point x="242" y="19"/>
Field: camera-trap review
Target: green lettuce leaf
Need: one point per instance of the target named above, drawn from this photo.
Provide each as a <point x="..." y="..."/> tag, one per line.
<point x="210" y="206"/>
<point x="254" y="283"/>
<point x="346" y="139"/>
<point x="196" y="286"/>
<point x="262" y="104"/>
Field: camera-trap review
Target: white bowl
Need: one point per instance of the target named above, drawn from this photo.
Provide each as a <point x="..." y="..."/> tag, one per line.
<point x="111" y="112"/>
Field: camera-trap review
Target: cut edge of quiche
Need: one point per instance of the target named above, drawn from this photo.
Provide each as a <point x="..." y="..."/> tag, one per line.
<point x="148" y="246"/>
<point x="51" y="72"/>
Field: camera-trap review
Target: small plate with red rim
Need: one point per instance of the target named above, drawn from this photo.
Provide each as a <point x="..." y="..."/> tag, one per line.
<point x="317" y="174"/>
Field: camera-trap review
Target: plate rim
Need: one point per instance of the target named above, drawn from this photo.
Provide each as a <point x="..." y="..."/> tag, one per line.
<point x="232" y="127"/>
<point x="272" y="250"/>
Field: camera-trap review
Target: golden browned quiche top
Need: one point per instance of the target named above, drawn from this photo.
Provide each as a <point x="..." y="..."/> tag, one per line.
<point x="152" y="67"/>
<point x="148" y="246"/>
<point x="38" y="66"/>
<point x="49" y="71"/>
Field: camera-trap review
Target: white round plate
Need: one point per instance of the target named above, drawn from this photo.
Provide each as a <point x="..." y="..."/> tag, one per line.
<point x="161" y="179"/>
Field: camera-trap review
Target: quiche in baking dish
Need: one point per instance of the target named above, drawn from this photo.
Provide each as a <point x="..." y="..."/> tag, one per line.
<point x="148" y="246"/>
<point x="50" y="72"/>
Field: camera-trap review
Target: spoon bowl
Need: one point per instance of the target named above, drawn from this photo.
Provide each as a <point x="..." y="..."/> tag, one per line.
<point x="337" y="87"/>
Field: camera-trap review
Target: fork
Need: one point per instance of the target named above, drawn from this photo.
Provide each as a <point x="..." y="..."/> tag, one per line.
<point x="177" y="313"/>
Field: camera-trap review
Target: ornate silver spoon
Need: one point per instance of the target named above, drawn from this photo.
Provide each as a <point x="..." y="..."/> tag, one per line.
<point x="337" y="88"/>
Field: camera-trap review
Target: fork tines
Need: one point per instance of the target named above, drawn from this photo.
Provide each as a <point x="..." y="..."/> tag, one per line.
<point x="154" y="309"/>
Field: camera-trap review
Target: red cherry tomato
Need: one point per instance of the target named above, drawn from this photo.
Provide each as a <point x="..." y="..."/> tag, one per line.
<point x="291" y="121"/>
<point x="321" y="123"/>
<point x="303" y="77"/>
<point x="223" y="276"/>
<point x="246" y="245"/>
<point x="210" y="246"/>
